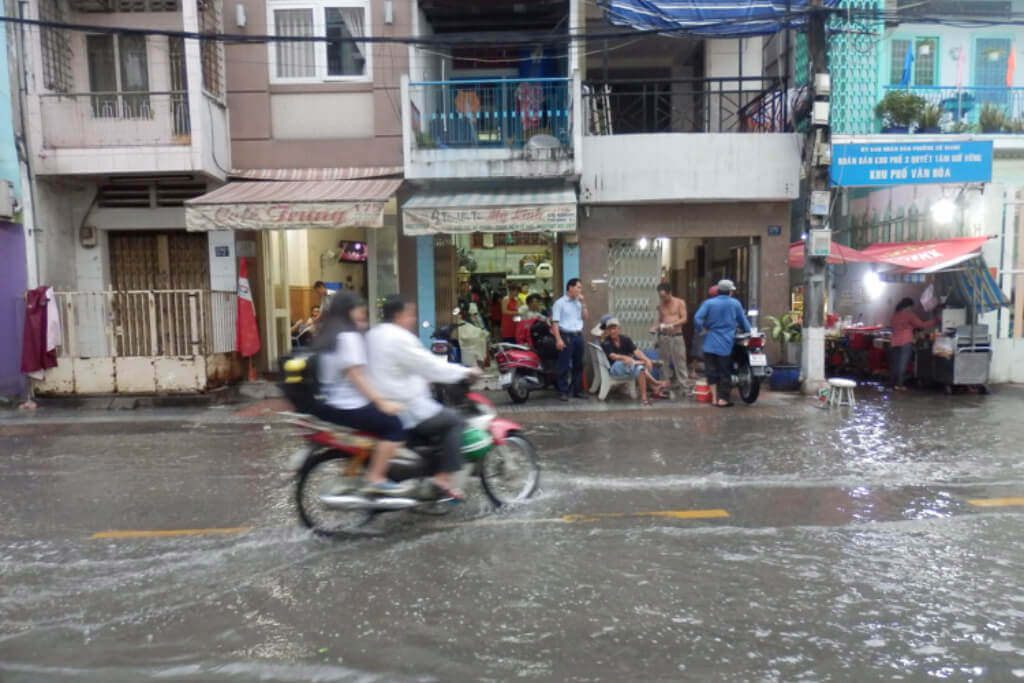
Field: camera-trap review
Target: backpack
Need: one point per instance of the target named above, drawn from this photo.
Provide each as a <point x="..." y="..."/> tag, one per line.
<point x="301" y="380"/>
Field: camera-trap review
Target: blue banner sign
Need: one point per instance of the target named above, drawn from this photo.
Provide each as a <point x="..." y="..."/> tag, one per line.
<point x="879" y="164"/>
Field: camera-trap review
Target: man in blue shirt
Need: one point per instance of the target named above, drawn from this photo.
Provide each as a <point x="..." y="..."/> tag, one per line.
<point x="567" y="316"/>
<point x="720" y="317"/>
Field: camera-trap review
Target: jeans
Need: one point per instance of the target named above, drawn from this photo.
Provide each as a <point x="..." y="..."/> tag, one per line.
<point x="570" y="358"/>
<point x="900" y="359"/>
<point x="719" y="372"/>
<point x="446" y="428"/>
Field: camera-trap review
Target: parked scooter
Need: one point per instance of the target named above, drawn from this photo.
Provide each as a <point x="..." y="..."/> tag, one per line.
<point x="526" y="368"/>
<point x="749" y="362"/>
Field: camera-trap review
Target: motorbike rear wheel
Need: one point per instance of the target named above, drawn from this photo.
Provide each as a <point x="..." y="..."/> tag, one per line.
<point x="510" y="472"/>
<point x="748" y="384"/>
<point x="321" y="474"/>
<point x="518" y="391"/>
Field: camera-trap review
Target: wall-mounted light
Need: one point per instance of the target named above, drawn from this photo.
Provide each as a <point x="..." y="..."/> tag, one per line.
<point x="943" y="211"/>
<point x="642" y="243"/>
<point x="873" y="285"/>
<point x="240" y="15"/>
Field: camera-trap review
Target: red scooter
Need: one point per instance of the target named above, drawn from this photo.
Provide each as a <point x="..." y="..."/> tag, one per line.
<point x="530" y="365"/>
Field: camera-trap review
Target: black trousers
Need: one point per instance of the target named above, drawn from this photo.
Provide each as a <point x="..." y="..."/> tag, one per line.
<point x="446" y="430"/>
<point x="719" y="371"/>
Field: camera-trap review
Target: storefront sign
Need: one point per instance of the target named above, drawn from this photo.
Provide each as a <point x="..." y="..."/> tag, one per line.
<point x="549" y="218"/>
<point x="284" y="216"/>
<point x="914" y="163"/>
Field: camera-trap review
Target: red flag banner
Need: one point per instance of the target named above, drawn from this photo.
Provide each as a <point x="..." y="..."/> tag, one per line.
<point x="247" y="335"/>
<point x="1011" y="67"/>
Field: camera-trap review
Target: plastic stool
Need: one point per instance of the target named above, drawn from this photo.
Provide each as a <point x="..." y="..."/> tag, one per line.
<point x="840" y="392"/>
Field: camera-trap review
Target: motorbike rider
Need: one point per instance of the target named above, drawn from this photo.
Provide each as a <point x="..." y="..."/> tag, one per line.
<point x="402" y="368"/>
<point x="720" y="316"/>
<point x="352" y="399"/>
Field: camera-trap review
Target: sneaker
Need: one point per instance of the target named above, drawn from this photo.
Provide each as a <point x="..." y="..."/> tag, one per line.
<point x="386" y="488"/>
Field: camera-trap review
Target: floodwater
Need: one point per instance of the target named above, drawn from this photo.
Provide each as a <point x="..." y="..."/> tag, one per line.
<point x="851" y="551"/>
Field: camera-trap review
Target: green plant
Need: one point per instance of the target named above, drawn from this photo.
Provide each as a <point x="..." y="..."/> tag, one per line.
<point x="425" y="141"/>
<point x="785" y="329"/>
<point x="930" y="117"/>
<point x="1015" y="126"/>
<point x="962" y="127"/>
<point x="899" y="109"/>
<point x="992" y="119"/>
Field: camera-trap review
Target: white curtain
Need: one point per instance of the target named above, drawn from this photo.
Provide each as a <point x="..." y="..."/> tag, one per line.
<point x="355" y="20"/>
<point x="295" y="59"/>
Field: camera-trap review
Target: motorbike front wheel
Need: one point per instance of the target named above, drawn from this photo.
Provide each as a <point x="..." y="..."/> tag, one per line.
<point x="510" y="472"/>
<point x="323" y="474"/>
<point x="749" y="385"/>
<point x="518" y="391"/>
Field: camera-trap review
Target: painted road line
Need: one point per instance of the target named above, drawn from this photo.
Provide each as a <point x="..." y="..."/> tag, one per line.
<point x="996" y="502"/>
<point x="160" y="533"/>
<point x="674" y="514"/>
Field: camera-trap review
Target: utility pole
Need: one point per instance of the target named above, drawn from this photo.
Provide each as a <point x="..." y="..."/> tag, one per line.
<point x="817" y="161"/>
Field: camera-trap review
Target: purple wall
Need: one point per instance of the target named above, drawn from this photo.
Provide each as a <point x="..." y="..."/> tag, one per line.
<point x="13" y="280"/>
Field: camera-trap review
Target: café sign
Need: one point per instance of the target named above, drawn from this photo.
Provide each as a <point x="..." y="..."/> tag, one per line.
<point x="284" y="216"/>
<point x="545" y="218"/>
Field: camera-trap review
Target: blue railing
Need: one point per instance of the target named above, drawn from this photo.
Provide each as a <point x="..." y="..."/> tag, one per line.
<point x="496" y="113"/>
<point x="962" y="107"/>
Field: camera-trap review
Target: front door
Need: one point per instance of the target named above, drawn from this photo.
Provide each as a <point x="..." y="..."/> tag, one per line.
<point x="276" y="304"/>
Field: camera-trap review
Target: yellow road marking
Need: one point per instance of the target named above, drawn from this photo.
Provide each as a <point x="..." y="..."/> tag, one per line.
<point x="675" y="514"/>
<point x="996" y="502"/>
<point x="159" y="533"/>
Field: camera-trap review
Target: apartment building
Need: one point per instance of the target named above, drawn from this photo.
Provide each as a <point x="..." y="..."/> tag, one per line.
<point x="121" y="130"/>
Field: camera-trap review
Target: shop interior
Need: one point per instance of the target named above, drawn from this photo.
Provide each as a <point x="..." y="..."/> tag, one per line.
<point x="690" y="265"/>
<point x="338" y="258"/>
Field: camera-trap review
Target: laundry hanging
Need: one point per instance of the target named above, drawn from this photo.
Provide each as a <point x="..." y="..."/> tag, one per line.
<point x="37" y="354"/>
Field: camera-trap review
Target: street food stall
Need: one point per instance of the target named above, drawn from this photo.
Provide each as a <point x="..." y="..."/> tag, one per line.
<point x="945" y="278"/>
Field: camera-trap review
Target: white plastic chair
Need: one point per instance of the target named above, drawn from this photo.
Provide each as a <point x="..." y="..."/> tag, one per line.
<point x="607" y="382"/>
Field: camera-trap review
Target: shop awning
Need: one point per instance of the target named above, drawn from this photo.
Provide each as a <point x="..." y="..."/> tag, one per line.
<point x="428" y="213"/>
<point x="341" y="173"/>
<point x="711" y="18"/>
<point x="295" y="205"/>
<point x="838" y="253"/>
<point x="925" y="257"/>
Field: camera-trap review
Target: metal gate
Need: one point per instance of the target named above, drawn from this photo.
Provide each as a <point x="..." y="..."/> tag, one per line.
<point x="633" y="277"/>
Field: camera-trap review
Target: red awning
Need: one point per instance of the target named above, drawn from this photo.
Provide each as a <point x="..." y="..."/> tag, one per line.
<point x="837" y="254"/>
<point x="925" y="257"/>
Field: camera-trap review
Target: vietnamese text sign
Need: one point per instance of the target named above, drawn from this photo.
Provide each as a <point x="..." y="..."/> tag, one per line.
<point x="548" y="218"/>
<point x="284" y="216"/>
<point x="911" y="163"/>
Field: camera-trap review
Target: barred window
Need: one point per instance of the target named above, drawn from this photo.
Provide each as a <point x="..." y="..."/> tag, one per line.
<point x="56" y="48"/>
<point x="131" y="6"/>
<point x="212" y="51"/>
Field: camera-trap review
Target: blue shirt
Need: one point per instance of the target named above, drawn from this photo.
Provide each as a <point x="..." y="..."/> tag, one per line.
<point x="720" y="317"/>
<point x="568" y="313"/>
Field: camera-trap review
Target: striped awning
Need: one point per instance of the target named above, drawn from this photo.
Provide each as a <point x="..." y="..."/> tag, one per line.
<point x="710" y="18"/>
<point x="355" y="173"/>
<point x="551" y="210"/>
<point x="292" y="205"/>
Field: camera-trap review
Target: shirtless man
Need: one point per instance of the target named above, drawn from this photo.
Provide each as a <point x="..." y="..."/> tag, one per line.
<point x="669" y="328"/>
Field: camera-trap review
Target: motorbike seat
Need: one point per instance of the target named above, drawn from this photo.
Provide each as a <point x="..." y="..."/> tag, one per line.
<point x="341" y="435"/>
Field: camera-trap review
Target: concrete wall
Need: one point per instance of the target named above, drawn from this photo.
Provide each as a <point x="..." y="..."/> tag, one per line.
<point x="368" y="135"/>
<point x="600" y="224"/>
<point x="690" y="167"/>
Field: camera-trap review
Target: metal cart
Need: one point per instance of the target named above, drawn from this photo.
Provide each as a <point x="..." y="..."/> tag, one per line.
<point x="972" y="352"/>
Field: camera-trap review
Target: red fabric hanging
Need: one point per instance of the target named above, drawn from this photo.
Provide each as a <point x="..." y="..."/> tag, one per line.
<point x="247" y="335"/>
<point x="34" y="355"/>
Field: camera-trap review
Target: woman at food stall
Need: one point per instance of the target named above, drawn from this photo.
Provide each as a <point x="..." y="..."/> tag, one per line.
<point x="903" y="324"/>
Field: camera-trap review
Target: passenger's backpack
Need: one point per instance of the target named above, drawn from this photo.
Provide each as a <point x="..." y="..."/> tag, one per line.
<point x="301" y="380"/>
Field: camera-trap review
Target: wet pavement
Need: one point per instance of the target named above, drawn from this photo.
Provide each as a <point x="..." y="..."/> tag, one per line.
<point x="778" y="542"/>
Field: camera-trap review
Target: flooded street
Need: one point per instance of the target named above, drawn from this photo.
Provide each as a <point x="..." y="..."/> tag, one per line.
<point x="779" y="542"/>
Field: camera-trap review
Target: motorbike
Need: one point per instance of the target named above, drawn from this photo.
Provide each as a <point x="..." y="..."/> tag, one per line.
<point x="328" y="468"/>
<point x="444" y="346"/>
<point x="525" y="368"/>
<point x="749" y="364"/>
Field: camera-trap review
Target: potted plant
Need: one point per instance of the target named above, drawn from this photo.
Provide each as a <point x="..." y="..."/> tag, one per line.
<point x="899" y="110"/>
<point x="992" y="119"/>
<point x="786" y="331"/>
<point x="930" y="119"/>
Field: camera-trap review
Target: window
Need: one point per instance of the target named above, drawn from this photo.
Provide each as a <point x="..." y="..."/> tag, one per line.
<point x="925" y="69"/>
<point x="131" y="6"/>
<point x="211" y="52"/>
<point x="117" y="66"/>
<point x="56" y="48"/>
<point x="336" y="58"/>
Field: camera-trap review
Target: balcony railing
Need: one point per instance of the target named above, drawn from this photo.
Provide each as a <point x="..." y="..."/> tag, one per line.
<point x="115" y="119"/>
<point x="962" y="107"/>
<point x="493" y="113"/>
<point x="691" y="105"/>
